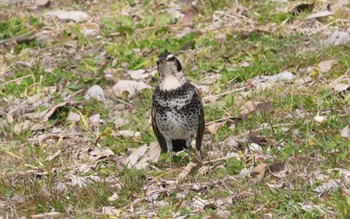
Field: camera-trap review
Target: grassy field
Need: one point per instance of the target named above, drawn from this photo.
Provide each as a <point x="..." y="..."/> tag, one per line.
<point x="275" y="88"/>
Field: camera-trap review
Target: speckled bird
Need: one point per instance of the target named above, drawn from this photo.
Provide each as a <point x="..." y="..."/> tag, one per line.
<point x="177" y="110"/>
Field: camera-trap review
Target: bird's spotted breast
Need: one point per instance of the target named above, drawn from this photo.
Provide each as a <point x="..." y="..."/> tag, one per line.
<point x="177" y="111"/>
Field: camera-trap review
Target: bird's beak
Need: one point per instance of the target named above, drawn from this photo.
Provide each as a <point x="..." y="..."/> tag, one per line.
<point x="161" y="60"/>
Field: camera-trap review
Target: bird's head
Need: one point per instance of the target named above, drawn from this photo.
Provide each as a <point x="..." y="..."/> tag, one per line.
<point x="170" y="71"/>
<point x="168" y="65"/>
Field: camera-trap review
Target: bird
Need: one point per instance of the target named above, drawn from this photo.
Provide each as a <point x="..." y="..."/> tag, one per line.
<point x="177" y="111"/>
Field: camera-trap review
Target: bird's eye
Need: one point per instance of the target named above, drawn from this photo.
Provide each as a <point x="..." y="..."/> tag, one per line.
<point x="172" y="58"/>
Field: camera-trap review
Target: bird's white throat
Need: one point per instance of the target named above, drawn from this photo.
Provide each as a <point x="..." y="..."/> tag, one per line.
<point x="171" y="82"/>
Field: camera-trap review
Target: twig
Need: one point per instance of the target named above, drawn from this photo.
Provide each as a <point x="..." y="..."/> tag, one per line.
<point x="54" y="136"/>
<point x="223" y="119"/>
<point x="21" y="38"/>
<point x="214" y="97"/>
<point x="262" y="128"/>
<point x="16" y="79"/>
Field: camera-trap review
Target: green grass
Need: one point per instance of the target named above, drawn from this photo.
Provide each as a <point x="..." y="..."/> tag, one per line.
<point x="131" y="35"/>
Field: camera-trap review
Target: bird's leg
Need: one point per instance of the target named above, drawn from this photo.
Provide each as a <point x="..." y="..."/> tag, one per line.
<point x="169" y="144"/>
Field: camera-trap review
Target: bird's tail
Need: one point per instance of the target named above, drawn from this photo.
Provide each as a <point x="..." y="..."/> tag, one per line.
<point x="179" y="145"/>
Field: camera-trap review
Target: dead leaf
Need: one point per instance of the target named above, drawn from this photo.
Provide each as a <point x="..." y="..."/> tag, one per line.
<point x="327" y="187"/>
<point x="199" y="203"/>
<point x="325" y="66"/>
<point x="75" y="16"/>
<point x="189" y="13"/>
<point x="338" y="38"/>
<point x="345" y="132"/>
<point x="22" y="126"/>
<point x="73" y="117"/>
<point x="152" y="155"/>
<point x="204" y="170"/>
<point x="48" y="114"/>
<point x="132" y="87"/>
<point x="110" y="210"/>
<point x="319" y="118"/>
<point x="128" y="134"/>
<point x="252" y="106"/>
<point x="113" y="198"/>
<point x="277" y="169"/>
<point x="341" y="87"/>
<point x="312" y="208"/>
<point x="138" y="74"/>
<point x="50" y="215"/>
<point x="94" y="120"/>
<point x="231" y="142"/>
<point x="95" y="92"/>
<point x="258" y="171"/>
<point x="189" y="167"/>
<point x="320" y="14"/>
<point x="213" y="127"/>
<point x="132" y="159"/>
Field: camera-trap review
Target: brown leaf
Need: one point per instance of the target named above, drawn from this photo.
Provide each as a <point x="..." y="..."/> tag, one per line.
<point x="129" y="86"/>
<point x="326" y="66"/>
<point x="213" y="127"/>
<point x="152" y="155"/>
<point x="247" y="108"/>
<point x="320" y="14"/>
<point x="258" y="171"/>
<point x="135" y="156"/>
<point x="50" y="215"/>
<point x="47" y="116"/>
<point x="278" y="169"/>
<point x="190" y="166"/>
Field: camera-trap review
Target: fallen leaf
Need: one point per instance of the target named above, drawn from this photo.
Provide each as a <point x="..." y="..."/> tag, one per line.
<point x="221" y="214"/>
<point x="132" y="159"/>
<point x="283" y="76"/>
<point x="94" y="120"/>
<point x="327" y="187"/>
<point x="113" y="198"/>
<point x="75" y="16"/>
<point x="213" y="127"/>
<point x="278" y="169"/>
<point x="73" y="117"/>
<point x="325" y="66"/>
<point x="247" y="108"/>
<point x="319" y="118"/>
<point x="128" y="134"/>
<point x="22" y="126"/>
<point x="95" y="92"/>
<point x="132" y="87"/>
<point x="199" y="203"/>
<point x="110" y="210"/>
<point x="311" y="208"/>
<point x="338" y="38"/>
<point x="254" y="147"/>
<point x="50" y="215"/>
<point x="152" y="155"/>
<point x="49" y="113"/>
<point x="341" y="87"/>
<point x="138" y="74"/>
<point x="320" y="14"/>
<point x="345" y="132"/>
<point x="231" y="142"/>
<point x="189" y="167"/>
<point x="258" y="171"/>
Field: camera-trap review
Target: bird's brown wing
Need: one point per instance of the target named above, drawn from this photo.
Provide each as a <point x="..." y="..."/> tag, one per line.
<point x="156" y="131"/>
<point x="201" y="126"/>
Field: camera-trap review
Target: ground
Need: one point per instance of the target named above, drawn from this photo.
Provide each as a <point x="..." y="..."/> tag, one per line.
<point x="75" y="95"/>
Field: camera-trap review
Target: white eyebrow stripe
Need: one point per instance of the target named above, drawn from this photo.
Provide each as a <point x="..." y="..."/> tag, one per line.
<point x="170" y="56"/>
